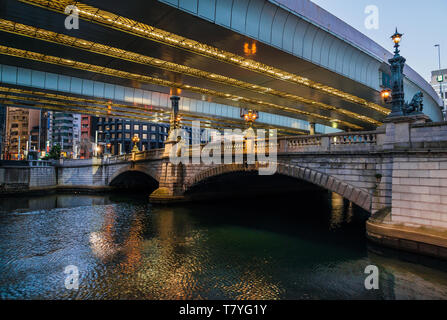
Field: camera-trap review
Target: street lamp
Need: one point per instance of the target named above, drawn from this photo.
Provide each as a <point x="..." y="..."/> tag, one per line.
<point x="249" y="116"/>
<point x="386" y="95"/>
<point x="135" y="140"/>
<point x="397" y="37"/>
<point x="97" y="149"/>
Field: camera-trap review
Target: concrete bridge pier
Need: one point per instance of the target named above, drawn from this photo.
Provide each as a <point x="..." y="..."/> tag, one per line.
<point x="170" y="185"/>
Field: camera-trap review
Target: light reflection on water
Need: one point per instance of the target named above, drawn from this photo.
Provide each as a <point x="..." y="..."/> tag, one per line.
<point x="126" y="249"/>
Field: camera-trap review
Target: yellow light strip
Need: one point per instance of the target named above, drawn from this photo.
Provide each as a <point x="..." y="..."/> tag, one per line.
<point x="140" y="29"/>
<point x="45" y="35"/>
<point x="147" y="79"/>
<point x="12" y="95"/>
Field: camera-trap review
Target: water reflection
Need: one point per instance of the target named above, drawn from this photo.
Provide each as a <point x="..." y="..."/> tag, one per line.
<point x="341" y="211"/>
<point x="127" y="249"/>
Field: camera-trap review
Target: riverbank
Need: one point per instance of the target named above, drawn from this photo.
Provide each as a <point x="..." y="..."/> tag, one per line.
<point x="425" y="241"/>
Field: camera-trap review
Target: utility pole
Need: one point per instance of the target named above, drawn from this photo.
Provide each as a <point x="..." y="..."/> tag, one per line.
<point x="18" y="150"/>
<point x="441" y="77"/>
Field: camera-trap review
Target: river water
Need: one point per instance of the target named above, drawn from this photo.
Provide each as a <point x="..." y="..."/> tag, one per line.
<point x="308" y="247"/>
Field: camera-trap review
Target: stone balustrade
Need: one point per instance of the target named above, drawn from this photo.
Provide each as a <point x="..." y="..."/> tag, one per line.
<point x="346" y="141"/>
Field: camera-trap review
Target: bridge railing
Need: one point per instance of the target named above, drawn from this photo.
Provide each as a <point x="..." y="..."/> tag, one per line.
<point x="136" y="156"/>
<point x="235" y="147"/>
<point x="344" y="141"/>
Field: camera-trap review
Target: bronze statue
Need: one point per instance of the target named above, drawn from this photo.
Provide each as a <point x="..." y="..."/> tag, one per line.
<point x="416" y="105"/>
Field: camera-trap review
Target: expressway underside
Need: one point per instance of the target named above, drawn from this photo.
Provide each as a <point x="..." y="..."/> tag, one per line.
<point x="148" y="45"/>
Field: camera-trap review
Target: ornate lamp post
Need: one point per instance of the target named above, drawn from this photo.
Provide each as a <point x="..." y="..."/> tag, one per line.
<point x="397" y="82"/>
<point x="399" y="107"/>
<point x="135" y="140"/>
<point x="175" y="117"/>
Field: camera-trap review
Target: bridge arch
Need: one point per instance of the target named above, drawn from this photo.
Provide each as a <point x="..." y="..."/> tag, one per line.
<point x="354" y="194"/>
<point x="134" y="176"/>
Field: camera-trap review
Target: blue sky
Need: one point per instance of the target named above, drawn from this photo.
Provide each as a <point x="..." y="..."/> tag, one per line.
<point x="423" y="22"/>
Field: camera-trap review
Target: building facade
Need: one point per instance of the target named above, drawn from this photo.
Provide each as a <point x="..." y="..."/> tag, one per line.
<point x="23" y="133"/>
<point x="62" y="132"/>
<point x="118" y="134"/>
<point x="76" y="136"/>
<point x="88" y="130"/>
<point x="439" y="83"/>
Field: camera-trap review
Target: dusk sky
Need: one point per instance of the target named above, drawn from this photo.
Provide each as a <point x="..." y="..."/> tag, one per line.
<point x="424" y="24"/>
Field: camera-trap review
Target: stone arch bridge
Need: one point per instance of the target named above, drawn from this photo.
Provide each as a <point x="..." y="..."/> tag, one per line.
<point x="326" y="161"/>
<point x="402" y="166"/>
<point x="397" y="173"/>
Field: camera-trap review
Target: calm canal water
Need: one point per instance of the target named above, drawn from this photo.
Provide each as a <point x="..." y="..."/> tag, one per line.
<point x="125" y="248"/>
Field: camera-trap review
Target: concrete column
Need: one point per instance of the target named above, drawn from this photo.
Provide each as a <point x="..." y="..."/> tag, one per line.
<point x="312" y="128"/>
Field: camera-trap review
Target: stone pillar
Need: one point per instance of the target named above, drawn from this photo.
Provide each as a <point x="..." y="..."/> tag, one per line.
<point x="171" y="179"/>
<point x="398" y="131"/>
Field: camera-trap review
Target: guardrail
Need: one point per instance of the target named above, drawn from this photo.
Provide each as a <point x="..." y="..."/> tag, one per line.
<point x="26" y="163"/>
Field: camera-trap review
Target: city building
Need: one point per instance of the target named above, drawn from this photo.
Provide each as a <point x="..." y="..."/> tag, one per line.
<point x="62" y="132"/>
<point x="88" y="130"/>
<point x="65" y="129"/>
<point x="438" y="79"/>
<point x="2" y="129"/>
<point x="118" y="134"/>
<point x="19" y="124"/>
<point x="76" y="135"/>
<point x="39" y="134"/>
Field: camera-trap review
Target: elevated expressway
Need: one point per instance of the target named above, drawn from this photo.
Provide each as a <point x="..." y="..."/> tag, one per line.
<point x="291" y="60"/>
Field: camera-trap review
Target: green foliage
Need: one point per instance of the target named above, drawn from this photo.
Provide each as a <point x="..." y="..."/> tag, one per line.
<point x="55" y="153"/>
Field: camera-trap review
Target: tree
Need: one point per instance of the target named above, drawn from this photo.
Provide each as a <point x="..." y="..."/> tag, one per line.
<point x="55" y="152"/>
